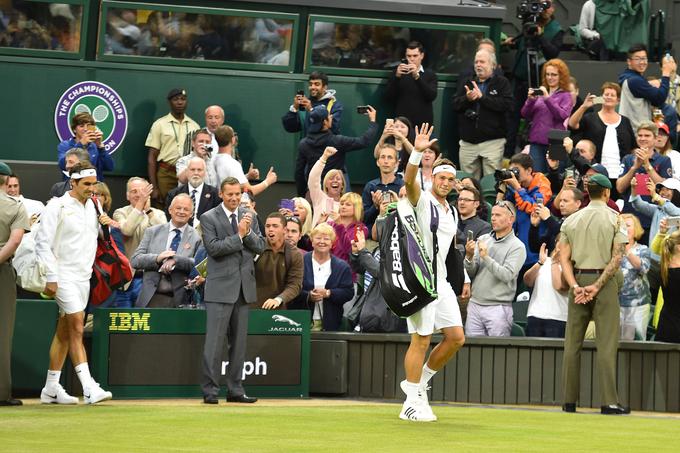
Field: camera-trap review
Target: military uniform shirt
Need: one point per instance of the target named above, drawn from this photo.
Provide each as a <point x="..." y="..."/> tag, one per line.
<point x="591" y="232"/>
<point x="12" y="217"/>
<point x="169" y="136"/>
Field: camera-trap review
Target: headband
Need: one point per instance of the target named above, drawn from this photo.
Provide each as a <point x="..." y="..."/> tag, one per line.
<point x="445" y="167"/>
<point x="84" y="173"/>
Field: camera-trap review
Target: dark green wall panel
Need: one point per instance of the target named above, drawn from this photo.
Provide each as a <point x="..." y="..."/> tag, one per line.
<point x="253" y="102"/>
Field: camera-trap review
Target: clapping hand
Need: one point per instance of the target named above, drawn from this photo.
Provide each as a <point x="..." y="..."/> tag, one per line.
<point x="317" y="294"/>
<point x="474" y="93"/>
<point x="244" y="224"/>
<point x="543" y="253"/>
<point x="167" y="266"/>
<point x="483" y="249"/>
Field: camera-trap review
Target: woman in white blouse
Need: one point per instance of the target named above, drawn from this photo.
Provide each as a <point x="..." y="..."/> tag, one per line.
<point x="611" y="133"/>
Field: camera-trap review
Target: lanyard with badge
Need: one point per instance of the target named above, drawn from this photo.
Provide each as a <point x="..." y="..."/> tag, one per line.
<point x="186" y="132"/>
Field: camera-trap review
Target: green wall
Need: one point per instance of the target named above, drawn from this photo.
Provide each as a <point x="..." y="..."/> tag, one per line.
<point x="253" y="102"/>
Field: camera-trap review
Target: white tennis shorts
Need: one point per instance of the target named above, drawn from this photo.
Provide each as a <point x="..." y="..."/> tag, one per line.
<point x="441" y="313"/>
<point x="72" y="297"/>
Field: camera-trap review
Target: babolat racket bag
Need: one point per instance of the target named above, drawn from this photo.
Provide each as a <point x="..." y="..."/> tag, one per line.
<point x="407" y="281"/>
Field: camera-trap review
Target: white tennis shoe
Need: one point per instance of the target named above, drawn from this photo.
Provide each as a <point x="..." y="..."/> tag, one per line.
<point x="95" y="394"/>
<point x="416" y="411"/>
<point x="422" y="397"/>
<point x="56" y="395"/>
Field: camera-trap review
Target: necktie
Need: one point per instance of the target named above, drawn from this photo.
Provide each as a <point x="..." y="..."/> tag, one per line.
<point x="234" y="225"/>
<point x="193" y="201"/>
<point x="175" y="240"/>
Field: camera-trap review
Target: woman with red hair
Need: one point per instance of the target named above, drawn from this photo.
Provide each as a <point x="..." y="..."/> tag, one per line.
<point x="547" y="108"/>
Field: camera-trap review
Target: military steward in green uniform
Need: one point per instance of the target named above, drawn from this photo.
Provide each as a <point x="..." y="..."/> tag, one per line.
<point x="593" y="240"/>
<point x="13" y="224"/>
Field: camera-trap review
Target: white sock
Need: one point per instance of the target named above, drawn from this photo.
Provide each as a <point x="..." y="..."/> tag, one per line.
<point x="52" y="378"/>
<point x="426" y="375"/>
<point x="411" y="390"/>
<point x="83" y="373"/>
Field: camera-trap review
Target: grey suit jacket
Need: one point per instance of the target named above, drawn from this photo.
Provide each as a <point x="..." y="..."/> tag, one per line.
<point x="144" y="258"/>
<point x="231" y="266"/>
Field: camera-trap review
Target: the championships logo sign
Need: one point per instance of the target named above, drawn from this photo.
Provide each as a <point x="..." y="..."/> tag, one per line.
<point x="99" y="100"/>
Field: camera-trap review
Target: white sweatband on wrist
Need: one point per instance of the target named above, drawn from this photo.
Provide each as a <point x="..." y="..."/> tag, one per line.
<point x="415" y="158"/>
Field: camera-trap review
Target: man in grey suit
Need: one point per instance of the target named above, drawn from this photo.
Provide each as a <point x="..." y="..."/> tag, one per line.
<point x="232" y="239"/>
<point x="166" y="255"/>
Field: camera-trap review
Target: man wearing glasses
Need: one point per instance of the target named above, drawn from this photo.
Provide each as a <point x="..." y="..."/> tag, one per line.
<point x="638" y="96"/>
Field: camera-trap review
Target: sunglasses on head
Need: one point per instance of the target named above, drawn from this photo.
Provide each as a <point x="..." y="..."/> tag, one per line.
<point x="507" y="205"/>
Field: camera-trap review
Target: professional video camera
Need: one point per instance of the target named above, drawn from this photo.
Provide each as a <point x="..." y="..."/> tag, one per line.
<point x="529" y="11"/>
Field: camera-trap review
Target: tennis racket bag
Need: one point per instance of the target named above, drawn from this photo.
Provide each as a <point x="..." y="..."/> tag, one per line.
<point x="407" y="279"/>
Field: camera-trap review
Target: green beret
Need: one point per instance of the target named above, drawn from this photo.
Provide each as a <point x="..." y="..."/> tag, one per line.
<point x="600" y="180"/>
<point x="4" y="169"/>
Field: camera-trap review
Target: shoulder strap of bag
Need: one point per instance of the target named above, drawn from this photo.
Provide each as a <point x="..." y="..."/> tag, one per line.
<point x="105" y="228"/>
<point x="434" y="225"/>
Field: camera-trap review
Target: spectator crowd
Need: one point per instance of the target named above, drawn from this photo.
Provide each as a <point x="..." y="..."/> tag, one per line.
<point x="192" y="222"/>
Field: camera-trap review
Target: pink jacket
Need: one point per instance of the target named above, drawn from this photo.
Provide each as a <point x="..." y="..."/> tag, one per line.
<point x="546" y="114"/>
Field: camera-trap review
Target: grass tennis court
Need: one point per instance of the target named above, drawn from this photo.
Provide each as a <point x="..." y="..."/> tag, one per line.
<point x="323" y="426"/>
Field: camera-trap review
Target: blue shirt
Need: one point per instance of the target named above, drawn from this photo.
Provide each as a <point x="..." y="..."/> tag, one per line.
<point x="662" y="165"/>
<point x="370" y="211"/>
<point x="101" y="160"/>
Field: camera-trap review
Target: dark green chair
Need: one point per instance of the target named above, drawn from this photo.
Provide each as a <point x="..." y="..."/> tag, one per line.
<point x="488" y="183"/>
<point x="517" y="330"/>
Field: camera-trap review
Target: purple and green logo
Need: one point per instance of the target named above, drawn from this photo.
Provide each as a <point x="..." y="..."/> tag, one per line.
<point x="99" y="100"/>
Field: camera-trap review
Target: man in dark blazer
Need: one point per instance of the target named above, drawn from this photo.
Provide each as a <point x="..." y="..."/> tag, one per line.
<point x="413" y="88"/>
<point x="204" y="196"/>
<point x="232" y="239"/>
<point x="166" y="255"/>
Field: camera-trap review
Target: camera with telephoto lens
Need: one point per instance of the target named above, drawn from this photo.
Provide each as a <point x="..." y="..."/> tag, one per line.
<point x="529" y="11"/>
<point x="502" y="175"/>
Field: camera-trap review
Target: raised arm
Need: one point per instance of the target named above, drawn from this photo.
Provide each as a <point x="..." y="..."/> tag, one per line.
<point x="422" y="142"/>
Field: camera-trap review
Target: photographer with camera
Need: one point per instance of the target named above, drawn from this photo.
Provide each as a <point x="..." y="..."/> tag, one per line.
<point x="413" y="88"/>
<point x="319" y="94"/>
<point x="201" y="146"/>
<point x="482" y="102"/>
<point x="547" y="108"/>
<point x="541" y="40"/>
<point x="527" y="190"/>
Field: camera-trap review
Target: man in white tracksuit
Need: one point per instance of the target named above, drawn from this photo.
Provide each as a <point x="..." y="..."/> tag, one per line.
<point x="66" y="242"/>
